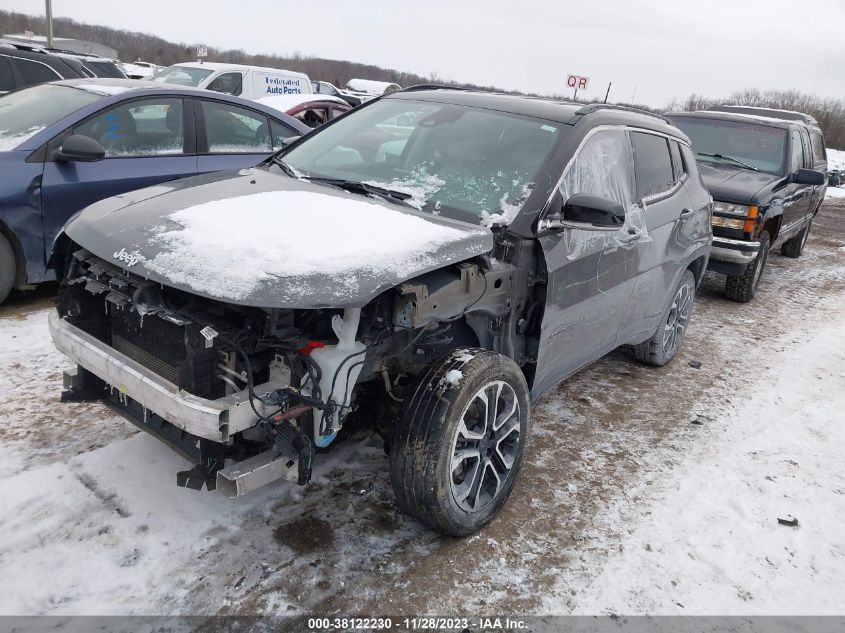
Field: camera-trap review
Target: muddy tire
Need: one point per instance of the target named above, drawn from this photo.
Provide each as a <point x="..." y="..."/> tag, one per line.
<point x="794" y="248"/>
<point x="662" y="347"/>
<point x="742" y="288"/>
<point x="7" y="268"/>
<point x="453" y="460"/>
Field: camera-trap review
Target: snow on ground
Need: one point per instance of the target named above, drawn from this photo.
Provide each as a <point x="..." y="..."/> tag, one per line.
<point x="836" y="160"/>
<point x="709" y="541"/>
<point x="645" y="490"/>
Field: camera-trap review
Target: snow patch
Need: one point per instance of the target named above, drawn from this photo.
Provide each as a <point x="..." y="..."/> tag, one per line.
<point x="227" y="248"/>
<point x="507" y="210"/>
<point x="9" y="142"/>
<point x="420" y="187"/>
<point x="106" y="91"/>
<point x="836" y="159"/>
<point x="453" y="377"/>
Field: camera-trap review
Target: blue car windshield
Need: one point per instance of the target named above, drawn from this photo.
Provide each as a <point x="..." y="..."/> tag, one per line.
<point x="25" y="113"/>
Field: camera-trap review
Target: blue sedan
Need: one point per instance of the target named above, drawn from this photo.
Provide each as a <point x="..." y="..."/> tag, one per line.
<point x="68" y="144"/>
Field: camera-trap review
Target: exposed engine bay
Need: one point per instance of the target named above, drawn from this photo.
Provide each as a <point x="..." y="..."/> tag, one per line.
<point x="285" y="381"/>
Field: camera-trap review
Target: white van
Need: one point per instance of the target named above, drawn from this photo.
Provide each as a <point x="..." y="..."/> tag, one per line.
<point x="249" y="82"/>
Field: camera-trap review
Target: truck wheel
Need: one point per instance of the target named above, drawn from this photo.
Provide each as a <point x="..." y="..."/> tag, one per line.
<point x="7" y="268"/>
<point x="664" y="344"/>
<point x="458" y="447"/>
<point x="795" y="247"/>
<point x="742" y="288"/>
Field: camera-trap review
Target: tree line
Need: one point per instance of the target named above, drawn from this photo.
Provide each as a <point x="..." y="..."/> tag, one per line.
<point x="829" y="112"/>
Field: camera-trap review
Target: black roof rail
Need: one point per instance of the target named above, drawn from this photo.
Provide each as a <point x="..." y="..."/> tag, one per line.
<point x="595" y="107"/>
<point x="774" y="113"/>
<point x="417" y="87"/>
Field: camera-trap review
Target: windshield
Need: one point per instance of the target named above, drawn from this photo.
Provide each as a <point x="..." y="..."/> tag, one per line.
<point x="474" y="164"/>
<point x="761" y="146"/>
<point x="183" y="75"/>
<point x="106" y="69"/>
<point x="26" y="112"/>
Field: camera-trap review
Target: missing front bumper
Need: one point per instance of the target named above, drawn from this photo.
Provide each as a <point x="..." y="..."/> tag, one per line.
<point x="214" y="420"/>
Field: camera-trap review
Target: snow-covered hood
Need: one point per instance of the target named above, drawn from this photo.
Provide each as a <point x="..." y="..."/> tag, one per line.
<point x="257" y="238"/>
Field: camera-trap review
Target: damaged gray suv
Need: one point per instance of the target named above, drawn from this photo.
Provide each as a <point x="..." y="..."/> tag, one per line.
<point x="429" y="264"/>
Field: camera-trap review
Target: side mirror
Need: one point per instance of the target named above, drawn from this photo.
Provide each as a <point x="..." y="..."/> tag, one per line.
<point x="808" y="177"/>
<point x="79" y="148"/>
<point x="586" y="209"/>
<point x="290" y="140"/>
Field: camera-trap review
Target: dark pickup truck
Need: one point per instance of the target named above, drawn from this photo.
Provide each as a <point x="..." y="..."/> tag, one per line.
<point x="766" y="172"/>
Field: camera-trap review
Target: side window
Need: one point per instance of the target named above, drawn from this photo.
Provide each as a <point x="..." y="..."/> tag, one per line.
<point x="231" y="129"/>
<point x="7" y="80"/>
<point x="603" y="167"/>
<point x="819" y="153"/>
<point x="678" y="169"/>
<point x="797" y="152"/>
<point x="35" y="72"/>
<point x="690" y="165"/>
<point x="228" y="83"/>
<point x="652" y="164"/>
<point x="808" y="152"/>
<point x="280" y="132"/>
<point x="313" y="117"/>
<point x="336" y="112"/>
<point x="148" y="127"/>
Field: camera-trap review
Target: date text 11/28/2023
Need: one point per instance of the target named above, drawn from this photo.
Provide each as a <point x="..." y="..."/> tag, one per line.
<point x="418" y="624"/>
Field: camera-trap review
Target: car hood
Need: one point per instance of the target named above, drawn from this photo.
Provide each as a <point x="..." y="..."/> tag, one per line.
<point x="261" y="239"/>
<point x="734" y="184"/>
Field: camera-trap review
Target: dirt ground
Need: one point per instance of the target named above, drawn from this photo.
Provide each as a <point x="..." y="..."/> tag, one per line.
<point x="89" y="494"/>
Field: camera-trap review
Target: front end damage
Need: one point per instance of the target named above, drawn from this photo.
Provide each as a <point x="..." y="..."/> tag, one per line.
<point x="251" y="395"/>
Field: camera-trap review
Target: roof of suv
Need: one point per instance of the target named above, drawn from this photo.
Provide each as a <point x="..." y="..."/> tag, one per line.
<point x="540" y="107"/>
<point x="737" y="117"/>
<point x="787" y="115"/>
<point x="60" y="65"/>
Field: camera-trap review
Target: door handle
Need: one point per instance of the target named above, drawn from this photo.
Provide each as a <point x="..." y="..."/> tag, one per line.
<point x="686" y="213"/>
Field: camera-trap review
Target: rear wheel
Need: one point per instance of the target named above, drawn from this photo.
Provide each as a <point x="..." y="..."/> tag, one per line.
<point x="662" y="347"/>
<point x="7" y="268"/>
<point x="794" y="248"/>
<point x="458" y="447"/>
<point x="742" y="288"/>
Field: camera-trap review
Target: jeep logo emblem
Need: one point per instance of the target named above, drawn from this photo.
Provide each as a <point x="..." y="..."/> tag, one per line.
<point x="130" y="258"/>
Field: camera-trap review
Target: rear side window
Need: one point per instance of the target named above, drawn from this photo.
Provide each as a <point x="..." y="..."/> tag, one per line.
<point x="231" y="129"/>
<point x="35" y="72"/>
<point x="678" y="169"/>
<point x="652" y="164"/>
<point x="690" y="165"/>
<point x="819" y="153"/>
<point x="7" y="81"/>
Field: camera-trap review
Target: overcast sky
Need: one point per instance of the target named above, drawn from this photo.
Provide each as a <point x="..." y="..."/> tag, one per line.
<point x="659" y="49"/>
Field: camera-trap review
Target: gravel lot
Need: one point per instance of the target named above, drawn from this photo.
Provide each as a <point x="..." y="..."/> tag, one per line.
<point x="645" y="490"/>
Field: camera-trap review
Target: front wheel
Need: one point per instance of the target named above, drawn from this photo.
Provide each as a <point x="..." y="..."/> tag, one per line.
<point x="742" y="288"/>
<point x="458" y="447"/>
